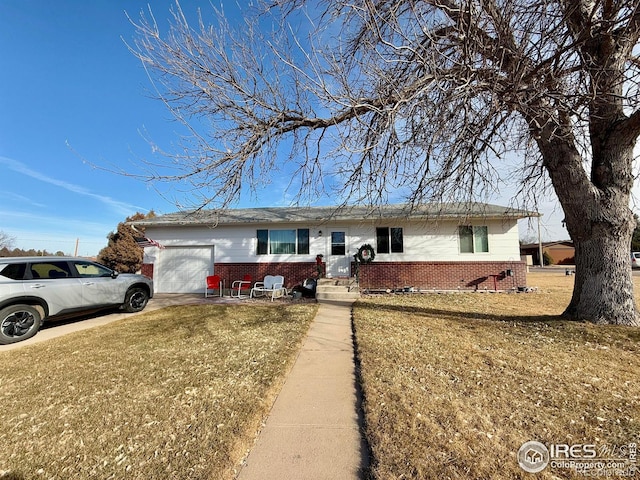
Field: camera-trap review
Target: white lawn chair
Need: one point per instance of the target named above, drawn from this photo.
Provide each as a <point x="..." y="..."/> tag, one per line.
<point x="273" y="285"/>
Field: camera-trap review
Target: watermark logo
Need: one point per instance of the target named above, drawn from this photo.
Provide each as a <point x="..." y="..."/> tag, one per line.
<point x="533" y="457"/>
<point x="589" y="460"/>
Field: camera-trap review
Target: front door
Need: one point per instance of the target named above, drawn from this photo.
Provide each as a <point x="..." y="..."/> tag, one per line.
<point x="339" y="260"/>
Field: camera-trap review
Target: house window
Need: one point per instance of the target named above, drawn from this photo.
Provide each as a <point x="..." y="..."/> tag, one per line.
<point x="263" y="242"/>
<point x="389" y="240"/>
<point x="283" y="241"/>
<point x="473" y="239"/>
<point x="303" y="241"/>
<point x="338" y="243"/>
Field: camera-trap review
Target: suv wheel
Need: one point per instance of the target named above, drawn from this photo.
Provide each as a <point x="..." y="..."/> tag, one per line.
<point x="135" y="300"/>
<point x="18" y="322"/>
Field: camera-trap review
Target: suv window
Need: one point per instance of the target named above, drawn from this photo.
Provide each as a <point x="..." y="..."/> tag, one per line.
<point x="88" y="269"/>
<point x="14" y="271"/>
<point x="50" y="270"/>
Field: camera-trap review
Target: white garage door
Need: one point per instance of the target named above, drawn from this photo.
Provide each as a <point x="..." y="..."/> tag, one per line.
<point x="183" y="269"/>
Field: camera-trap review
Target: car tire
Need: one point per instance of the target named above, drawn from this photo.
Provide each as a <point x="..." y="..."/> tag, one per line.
<point x="135" y="300"/>
<point x="19" y="322"/>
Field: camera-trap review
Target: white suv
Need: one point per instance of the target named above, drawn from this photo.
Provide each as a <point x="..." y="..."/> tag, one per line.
<point x="36" y="288"/>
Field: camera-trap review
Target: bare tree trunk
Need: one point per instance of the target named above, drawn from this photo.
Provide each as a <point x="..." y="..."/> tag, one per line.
<point x="601" y="225"/>
<point x="603" y="291"/>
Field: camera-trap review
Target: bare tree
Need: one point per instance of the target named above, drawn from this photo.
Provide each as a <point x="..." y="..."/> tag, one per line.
<point x="6" y="240"/>
<point x="426" y="98"/>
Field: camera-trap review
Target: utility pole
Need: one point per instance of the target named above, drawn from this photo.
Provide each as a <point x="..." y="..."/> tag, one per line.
<point x="540" y="252"/>
<point x="75" y="253"/>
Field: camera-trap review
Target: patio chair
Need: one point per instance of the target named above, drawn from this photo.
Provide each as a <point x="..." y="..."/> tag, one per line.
<point x="214" y="282"/>
<point x="272" y="285"/>
<point x="239" y="286"/>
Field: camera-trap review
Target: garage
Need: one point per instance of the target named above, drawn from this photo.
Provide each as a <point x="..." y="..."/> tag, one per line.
<point x="183" y="269"/>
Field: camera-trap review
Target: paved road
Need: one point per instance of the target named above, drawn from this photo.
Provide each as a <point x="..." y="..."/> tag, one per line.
<point x="561" y="269"/>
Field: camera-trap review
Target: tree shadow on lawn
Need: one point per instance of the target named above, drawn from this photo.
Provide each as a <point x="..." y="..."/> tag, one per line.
<point x="215" y="309"/>
<point x="52" y="322"/>
<point x="461" y="315"/>
<point x="193" y="320"/>
<point x="555" y="325"/>
<point x="13" y="476"/>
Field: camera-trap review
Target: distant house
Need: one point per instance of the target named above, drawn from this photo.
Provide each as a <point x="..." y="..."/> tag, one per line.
<point x="560" y="253"/>
<point x="450" y="246"/>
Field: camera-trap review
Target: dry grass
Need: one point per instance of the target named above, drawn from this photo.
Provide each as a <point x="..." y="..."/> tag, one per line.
<point x="455" y="384"/>
<point x="175" y="393"/>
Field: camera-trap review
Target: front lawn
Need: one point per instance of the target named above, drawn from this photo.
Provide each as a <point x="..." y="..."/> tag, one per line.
<point x="175" y="393"/>
<point x="455" y="384"/>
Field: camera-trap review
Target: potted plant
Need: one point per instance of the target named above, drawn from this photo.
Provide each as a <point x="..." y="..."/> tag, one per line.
<point x="320" y="265"/>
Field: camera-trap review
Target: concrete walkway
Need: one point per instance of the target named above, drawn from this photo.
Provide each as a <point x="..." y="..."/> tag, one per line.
<point x="313" y="430"/>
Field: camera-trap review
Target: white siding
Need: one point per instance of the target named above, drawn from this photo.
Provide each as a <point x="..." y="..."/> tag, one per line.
<point x="439" y="242"/>
<point x="233" y="244"/>
<point x="422" y="241"/>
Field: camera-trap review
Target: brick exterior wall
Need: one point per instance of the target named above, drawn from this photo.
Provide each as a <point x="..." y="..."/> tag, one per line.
<point x="147" y="270"/>
<point x="388" y="275"/>
<point x="293" y="273"/>
<point x="442" y="275"/>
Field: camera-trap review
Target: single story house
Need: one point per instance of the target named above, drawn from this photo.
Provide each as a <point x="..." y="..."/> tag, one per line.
<point x="560" y="253"/>
<point x="457" y="246"/>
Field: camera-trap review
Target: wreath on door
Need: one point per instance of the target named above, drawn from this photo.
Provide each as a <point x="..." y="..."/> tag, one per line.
<point x="365" y="254"/>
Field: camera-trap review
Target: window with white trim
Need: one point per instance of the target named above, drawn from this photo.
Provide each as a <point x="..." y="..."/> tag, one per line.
<point x="290" y="241"/>
<point x="389" y="240"/>
<point x="473" y="239"/>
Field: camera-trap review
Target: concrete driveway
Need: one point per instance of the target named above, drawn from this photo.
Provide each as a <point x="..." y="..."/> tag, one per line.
<point x="53" y="328"/>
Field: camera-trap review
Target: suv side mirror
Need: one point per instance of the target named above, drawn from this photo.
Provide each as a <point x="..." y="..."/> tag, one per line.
<point x="115" y="274"/>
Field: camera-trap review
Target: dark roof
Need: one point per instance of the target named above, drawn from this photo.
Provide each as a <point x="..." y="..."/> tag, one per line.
<point x="565" y="243"/>
<point x="318" y="215"/>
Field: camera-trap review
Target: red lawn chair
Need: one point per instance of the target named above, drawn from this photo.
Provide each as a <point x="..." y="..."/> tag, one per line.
<point x="214" y="282"/>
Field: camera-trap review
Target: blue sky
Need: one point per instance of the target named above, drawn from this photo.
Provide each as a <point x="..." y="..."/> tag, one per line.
<point x="71" y="97"/>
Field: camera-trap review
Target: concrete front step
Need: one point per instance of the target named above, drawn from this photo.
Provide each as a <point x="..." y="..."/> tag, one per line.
<point x="337" y="289"/>
<point x="331" y="296"/>
<point x="337" y="281"/>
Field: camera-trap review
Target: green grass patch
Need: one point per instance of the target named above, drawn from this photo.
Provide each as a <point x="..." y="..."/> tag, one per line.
<point x="175" y="393"/>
